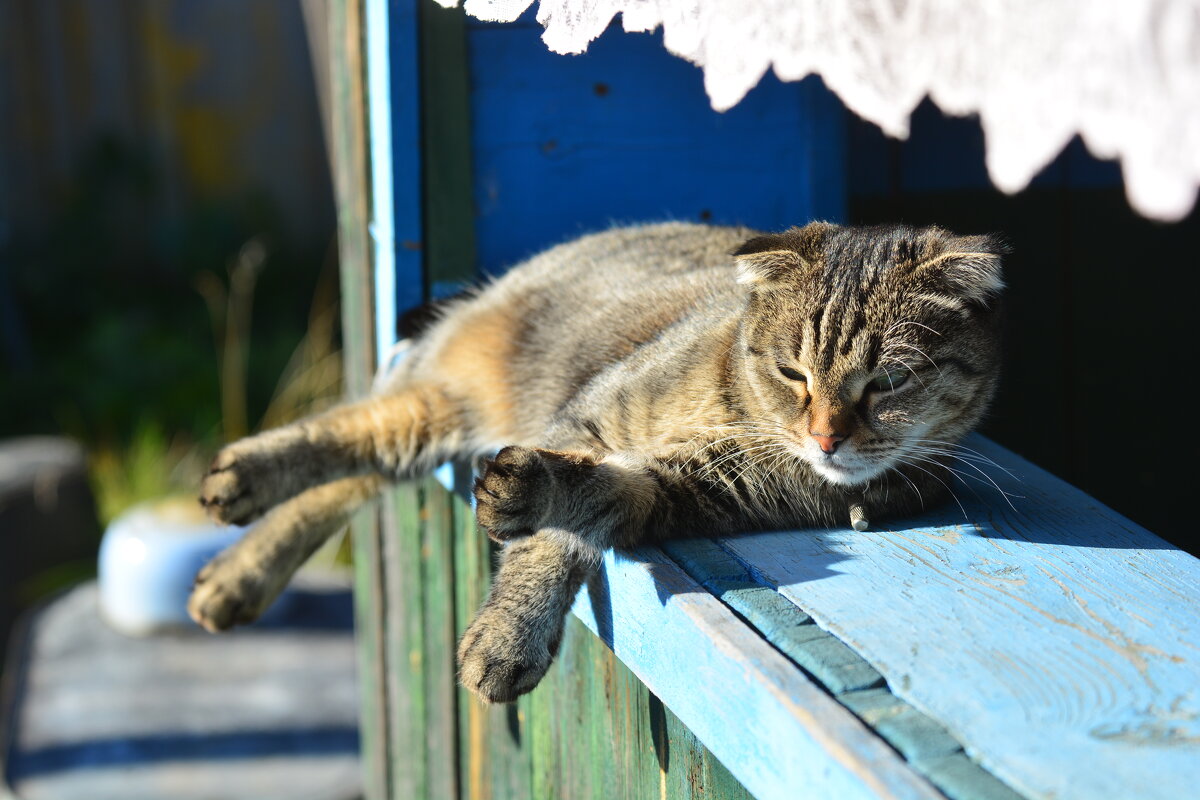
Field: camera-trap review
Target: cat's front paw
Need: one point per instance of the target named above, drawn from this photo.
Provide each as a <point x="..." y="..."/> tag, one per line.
<point x="502" y="657"/>
<point x="228" y="591"/>
<point x="513" y="492"/>
<point x="237" y="488"/>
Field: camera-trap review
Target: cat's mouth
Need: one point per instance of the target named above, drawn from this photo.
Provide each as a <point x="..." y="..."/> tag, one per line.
<point x="842" y="470"/>
<point x="844" y="467"/>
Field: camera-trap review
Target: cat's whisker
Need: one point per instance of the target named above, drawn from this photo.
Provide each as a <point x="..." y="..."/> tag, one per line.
<point x="920" y="497"/>
<point x="962" y="477"/>
<point x="758" y="455"/>
<point x="911" y="322"/>
<point x="969" y="463"/>
<point x="939" y="480"/>
<point x="973" y="452"/>
<point x="907" y="366"/>
<point x="987" y="479"/>
<point x="922" y="352"/>
<point x="712" y="467"/>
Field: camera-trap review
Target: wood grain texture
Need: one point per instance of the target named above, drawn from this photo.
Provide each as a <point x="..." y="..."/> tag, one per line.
<point x="404" y="641"/>
<point x="595" y="732"/>
<point x="351" y="188"/>
<point x="769" y="724"/>
<point x="923" y="742"/>
<point x="437" y="534"/>
<point x="1056" y="640"/>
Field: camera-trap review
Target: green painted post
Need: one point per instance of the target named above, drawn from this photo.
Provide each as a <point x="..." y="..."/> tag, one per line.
<point x="405" y="632"/>
<point x="351" y="187"/>
<point x="437" y="579"/>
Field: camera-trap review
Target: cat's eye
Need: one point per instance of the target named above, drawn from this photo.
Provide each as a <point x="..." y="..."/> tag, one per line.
<point x="889" y="382"/>
<point x="791" y="374"/>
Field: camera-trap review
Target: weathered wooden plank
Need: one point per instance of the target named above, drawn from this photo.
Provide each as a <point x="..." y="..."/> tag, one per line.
<point x="369" y="637"/>
<point x="494" y="756"/>
<point x="436" y="539"/>
<point x="352" y="187"/>
<point x="596" y="732"/>
<point x="923" y="742"/>
<point x="349" y="158"/>
<point x="835" y="666"/>
<point x="1056" y="640"/>
<point x="404" y="641"/>
<point x="650" y="612"/>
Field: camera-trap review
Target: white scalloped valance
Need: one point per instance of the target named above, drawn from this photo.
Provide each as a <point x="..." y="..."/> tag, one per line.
<point x="1123" y="74"/>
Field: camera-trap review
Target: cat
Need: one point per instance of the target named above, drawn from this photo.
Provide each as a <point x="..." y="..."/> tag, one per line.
<point x="643" y="383"/>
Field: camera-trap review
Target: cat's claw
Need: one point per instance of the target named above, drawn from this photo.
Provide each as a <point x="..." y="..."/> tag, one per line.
<point x="499" y="658"/>
<point x="512" y="493"/>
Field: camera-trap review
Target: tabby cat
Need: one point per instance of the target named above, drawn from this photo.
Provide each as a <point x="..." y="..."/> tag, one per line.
<point x="640" y="384"/>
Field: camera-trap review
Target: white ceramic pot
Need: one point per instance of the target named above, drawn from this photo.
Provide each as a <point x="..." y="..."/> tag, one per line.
<point x="149" y="557"/>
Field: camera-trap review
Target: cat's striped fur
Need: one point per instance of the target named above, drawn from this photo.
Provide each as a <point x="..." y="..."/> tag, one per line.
<point x="643" y="383"/>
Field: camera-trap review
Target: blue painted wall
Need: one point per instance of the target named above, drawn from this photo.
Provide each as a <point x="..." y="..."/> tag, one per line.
<point x="569" y="144"/>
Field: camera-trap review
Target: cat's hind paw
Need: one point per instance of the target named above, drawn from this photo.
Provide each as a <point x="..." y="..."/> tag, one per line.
<point x="512" y="493"/>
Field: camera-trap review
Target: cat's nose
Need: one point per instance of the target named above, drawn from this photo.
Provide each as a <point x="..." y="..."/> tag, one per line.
<point x="829" y="444"/>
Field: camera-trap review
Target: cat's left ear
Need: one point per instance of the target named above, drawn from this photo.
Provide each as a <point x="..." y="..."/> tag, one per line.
<point x="765" y="260"/>
<point x="971" y="268"/>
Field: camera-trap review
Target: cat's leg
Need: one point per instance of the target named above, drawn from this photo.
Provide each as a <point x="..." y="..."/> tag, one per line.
<point x="515" y="635"/>
<point x="395" y="434"/>
<point x="622" y="499"/>
<point x="242" y="581"/>
<point x="563" y="510"/>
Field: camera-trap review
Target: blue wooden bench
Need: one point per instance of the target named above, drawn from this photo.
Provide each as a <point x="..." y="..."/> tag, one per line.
<point x="1028" y="643"/>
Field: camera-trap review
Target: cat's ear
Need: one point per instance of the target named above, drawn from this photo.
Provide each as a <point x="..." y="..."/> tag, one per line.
<point x="970" y="268"/>
<point x="765" y="260"/>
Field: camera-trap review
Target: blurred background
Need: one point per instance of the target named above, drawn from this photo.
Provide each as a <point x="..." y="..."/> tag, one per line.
<point x="168" y="274"/>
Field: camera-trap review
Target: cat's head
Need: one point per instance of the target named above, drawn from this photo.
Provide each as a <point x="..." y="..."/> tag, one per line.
<point x="867" y="348"/>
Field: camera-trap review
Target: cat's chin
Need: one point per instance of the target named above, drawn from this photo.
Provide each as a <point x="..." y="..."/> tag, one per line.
<point x="844" y="474"/>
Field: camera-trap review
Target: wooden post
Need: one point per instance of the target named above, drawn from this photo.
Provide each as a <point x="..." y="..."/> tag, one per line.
<point x="352" y="190"/>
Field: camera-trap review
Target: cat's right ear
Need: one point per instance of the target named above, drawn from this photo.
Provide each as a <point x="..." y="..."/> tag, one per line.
<point x="764" y="260"/>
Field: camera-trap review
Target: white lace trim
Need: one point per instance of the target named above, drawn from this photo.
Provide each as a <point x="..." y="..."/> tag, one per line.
<point x="1124" y="74"/>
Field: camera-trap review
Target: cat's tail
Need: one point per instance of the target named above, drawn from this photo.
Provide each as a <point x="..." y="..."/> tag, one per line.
<point x="238" y="585"/>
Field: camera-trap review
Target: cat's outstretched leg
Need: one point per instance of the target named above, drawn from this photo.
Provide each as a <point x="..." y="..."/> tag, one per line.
<point x="394" y="434"/>
<point x="240" y="583"/>
<point x="515" y="635"/>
